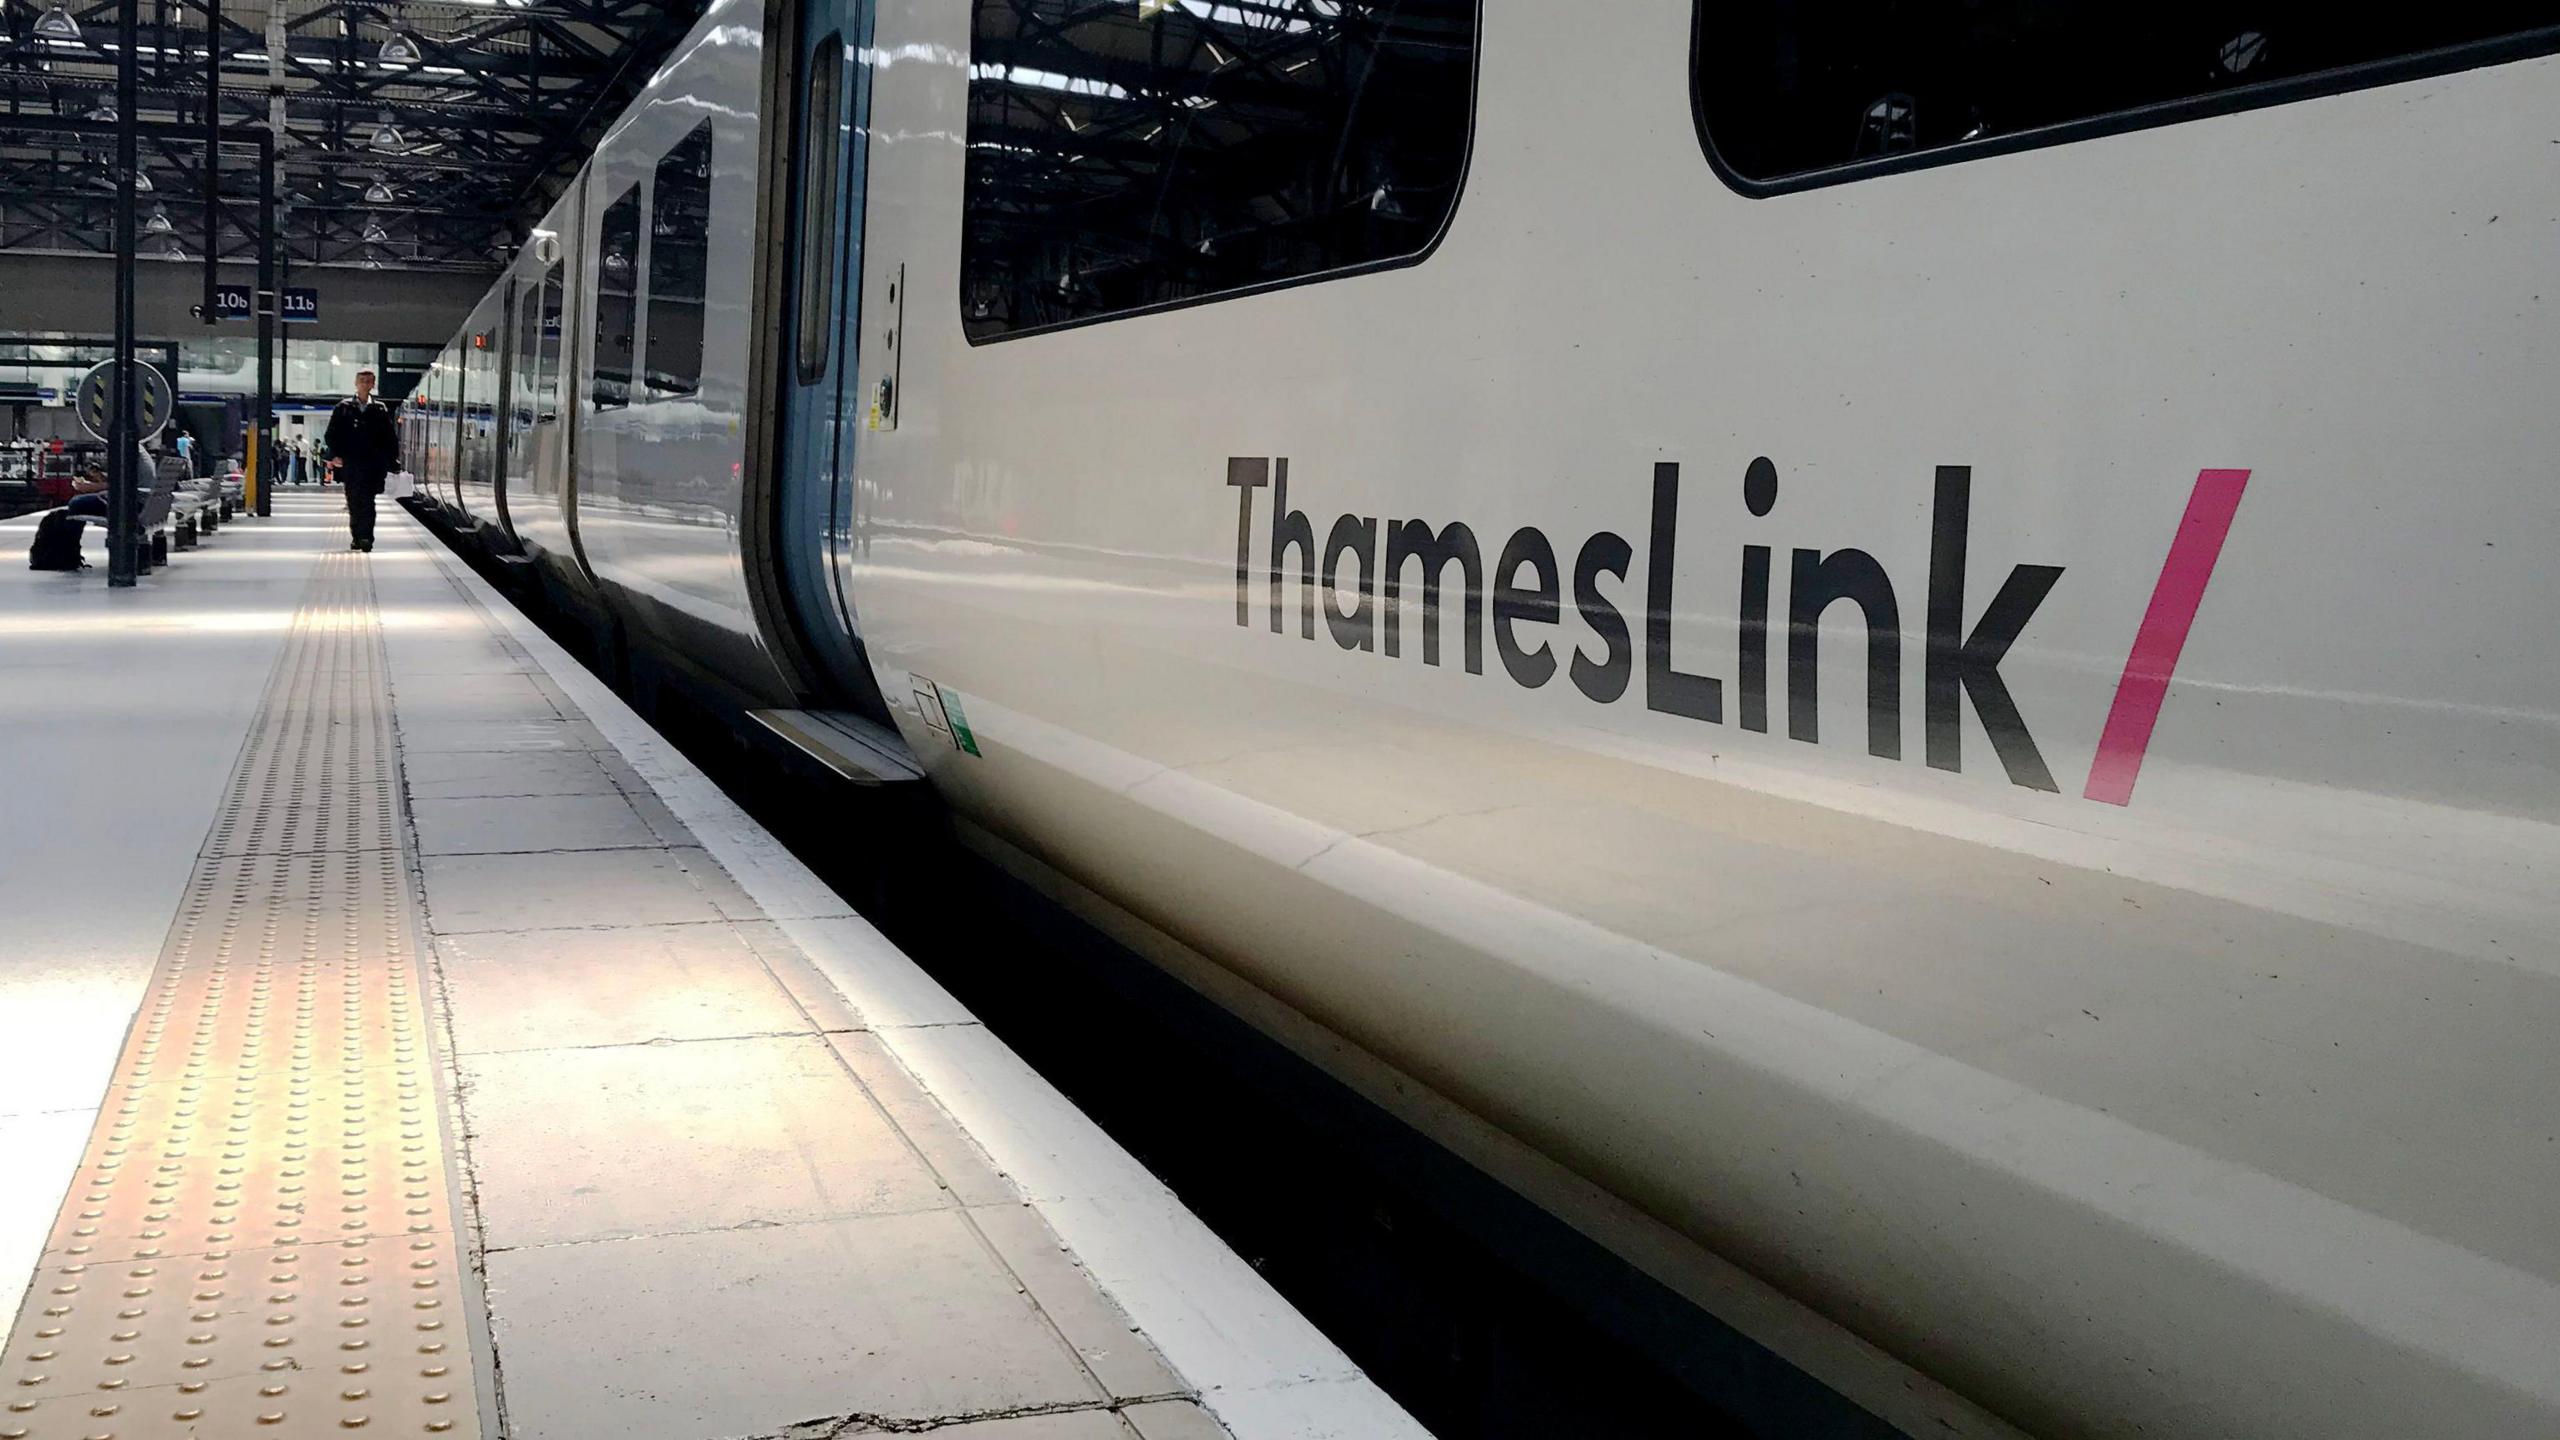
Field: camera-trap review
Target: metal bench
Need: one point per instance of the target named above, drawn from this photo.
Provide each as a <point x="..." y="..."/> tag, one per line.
<point x="155" y="526"/>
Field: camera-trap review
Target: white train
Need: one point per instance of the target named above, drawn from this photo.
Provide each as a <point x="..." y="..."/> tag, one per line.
<point x="1900" y="655"/>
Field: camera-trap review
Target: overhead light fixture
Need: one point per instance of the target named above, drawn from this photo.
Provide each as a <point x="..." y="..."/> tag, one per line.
<point x="379" y="192"/>
<point x="159" y="224"/>
<point x="401" y="49"/>
<point x="141" y="181"/>
<point x="104" y="112"/>
<point x="173" y="251"/>
<point x="374" y="234"/>
<point x="386" y="136"/>
<point x="56" y="24"/>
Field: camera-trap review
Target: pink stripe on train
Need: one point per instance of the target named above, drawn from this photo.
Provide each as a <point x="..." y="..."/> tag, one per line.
<point x="2154" y="657"/>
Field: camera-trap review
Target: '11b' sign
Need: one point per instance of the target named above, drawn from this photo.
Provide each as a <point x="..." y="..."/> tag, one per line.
<point x="235" y="302"/>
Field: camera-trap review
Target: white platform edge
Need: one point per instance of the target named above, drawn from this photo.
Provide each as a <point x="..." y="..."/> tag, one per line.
<point x="1261" y="1368"/>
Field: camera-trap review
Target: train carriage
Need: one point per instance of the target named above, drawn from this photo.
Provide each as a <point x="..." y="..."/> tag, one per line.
<point x="1914" y="642"/>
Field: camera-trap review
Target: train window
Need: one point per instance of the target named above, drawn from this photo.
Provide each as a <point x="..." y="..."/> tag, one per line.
<point x="821" y="157"/>
<point x="679" y="263"/>
<point x="1127" y="157"/>
<point x="528" y="362"/>
<point x="546" y="394"/>
<point x="617" y="299"/>
<point x="1795" y="94"/>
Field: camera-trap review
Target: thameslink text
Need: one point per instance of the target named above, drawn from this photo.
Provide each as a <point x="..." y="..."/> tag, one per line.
<point x="1367" y="613"/>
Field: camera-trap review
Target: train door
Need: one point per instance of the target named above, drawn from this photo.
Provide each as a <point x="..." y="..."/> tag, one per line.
<point x="822" y="406"/>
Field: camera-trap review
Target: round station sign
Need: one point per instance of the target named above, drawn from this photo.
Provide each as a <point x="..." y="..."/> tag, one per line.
<point x="95" y="398"/>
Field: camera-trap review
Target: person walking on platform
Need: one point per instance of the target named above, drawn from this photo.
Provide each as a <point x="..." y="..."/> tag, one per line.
<point x="363" y="447"/>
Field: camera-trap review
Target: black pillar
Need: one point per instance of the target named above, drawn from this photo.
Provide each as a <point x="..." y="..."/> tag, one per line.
<point x="268" y="302"/>
<point x="212" y="157"/>
<point x="122" y="491"/>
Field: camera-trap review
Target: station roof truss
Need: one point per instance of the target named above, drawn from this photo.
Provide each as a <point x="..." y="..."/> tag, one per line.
<point x="411" y="135"/>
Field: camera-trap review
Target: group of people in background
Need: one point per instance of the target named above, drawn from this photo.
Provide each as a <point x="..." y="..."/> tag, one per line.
<point x="360" y="449"/>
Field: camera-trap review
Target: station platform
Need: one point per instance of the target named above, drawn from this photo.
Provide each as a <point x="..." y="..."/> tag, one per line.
<point x="398" y="1036"/>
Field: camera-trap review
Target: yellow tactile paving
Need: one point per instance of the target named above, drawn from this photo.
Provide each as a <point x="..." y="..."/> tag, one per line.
<point x="260" y="1239"/>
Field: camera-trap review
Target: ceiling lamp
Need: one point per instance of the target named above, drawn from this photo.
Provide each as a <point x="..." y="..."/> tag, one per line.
<point x="159" y="224"/>
<point x="141" y="182"/>
<point x="379" y="192"/>
<point x="401" y="49"/>
<point x="386" y="136"/>
<point x="374" y="234"/>
<point x="104" y="112"/>
<point x="56" y="24"/>
<point x="173" y="251"/>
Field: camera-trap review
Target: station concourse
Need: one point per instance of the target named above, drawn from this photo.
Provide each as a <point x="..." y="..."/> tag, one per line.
<point x="398" y="1037"/>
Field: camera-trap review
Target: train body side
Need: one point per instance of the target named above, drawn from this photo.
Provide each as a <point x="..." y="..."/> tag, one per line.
<point x="2136" y="1059"/>
<point x="2222" y="1111"/>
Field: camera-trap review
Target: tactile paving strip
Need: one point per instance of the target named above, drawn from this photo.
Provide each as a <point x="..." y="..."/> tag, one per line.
<point x="260" y="1240"/>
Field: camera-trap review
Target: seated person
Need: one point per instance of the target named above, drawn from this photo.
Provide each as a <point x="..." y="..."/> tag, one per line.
<point x="89" y="494"/>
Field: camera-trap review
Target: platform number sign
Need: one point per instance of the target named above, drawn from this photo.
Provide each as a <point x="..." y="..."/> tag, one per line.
<point x="239" y="302"/>
<point x="152" y="399"/>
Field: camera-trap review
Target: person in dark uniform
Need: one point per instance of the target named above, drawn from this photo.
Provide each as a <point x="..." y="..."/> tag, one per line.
<point x="362" y="446"/>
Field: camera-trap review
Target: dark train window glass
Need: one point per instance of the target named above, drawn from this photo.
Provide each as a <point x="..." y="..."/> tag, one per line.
<point x="1129" y="156"/>
<point x="546" y="394"/>
<point x="527" y="354"/>
<point x="679" y="263"/>
<point x="617" y="299"/>
<point x="821" y="157"/>
<point x="1795" y="92"/>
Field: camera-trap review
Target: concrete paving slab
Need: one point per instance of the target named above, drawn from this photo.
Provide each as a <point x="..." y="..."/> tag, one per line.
<point x="560" y="890"/>
<point x="448" y="654"/>
<point x="1100" y="1331"/>
<point x="857" y="959"/>
<point x="905" y="1318"/>
<point x="625" y="986"/>
<point x="446" y="697"/>
<point x="734" y="902"/>
<point x="658" y="1139"/>
<point x="520" y="824"/>
<point x="466" y="774"/>
<point x="965" y="1169"/>
<point x="429" y="736"/>
<point x="792" y="968"/>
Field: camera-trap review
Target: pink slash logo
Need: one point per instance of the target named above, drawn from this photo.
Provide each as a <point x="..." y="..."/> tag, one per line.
<point x="2154" y="657"/>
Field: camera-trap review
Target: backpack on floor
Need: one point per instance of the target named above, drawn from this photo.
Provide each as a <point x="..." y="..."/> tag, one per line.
<point x="57" y="543"/>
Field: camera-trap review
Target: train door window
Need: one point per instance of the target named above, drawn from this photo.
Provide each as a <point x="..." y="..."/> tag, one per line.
<point x="617" y="299"/>
<point x="1123" y="158"/>
<point x="1794" y="94"/>
<point x="821" y="160"/>
<point x="527" y="362"/>
<point x="461" y="416"/>
<point x="546" y="350"/>
<point x="679" y="263"/>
